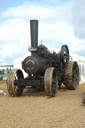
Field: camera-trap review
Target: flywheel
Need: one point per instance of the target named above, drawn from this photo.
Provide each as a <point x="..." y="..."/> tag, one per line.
<point x="71" y="78"/>
<point x="64" y="54"/>
<point x="14" y="90"/>
<point x="51" y="81"/>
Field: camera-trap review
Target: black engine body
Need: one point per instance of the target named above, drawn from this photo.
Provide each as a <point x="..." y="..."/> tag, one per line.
<point x="41" y="60"/>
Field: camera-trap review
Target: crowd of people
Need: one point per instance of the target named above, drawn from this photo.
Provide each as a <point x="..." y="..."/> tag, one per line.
<point x="5" y="71"/>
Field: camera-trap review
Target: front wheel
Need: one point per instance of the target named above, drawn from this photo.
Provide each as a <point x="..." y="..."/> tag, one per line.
<point x="14" y="90"/>
<point x="51" y="81"/>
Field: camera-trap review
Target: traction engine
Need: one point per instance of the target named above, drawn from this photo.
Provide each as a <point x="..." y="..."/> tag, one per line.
<point x="47" y="70"/>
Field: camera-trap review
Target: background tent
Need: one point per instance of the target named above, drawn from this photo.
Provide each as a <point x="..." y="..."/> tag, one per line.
<point x="18" y="63"/>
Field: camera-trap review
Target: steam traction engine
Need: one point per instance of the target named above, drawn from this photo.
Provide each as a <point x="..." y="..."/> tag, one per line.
<point x="46" y="70"/>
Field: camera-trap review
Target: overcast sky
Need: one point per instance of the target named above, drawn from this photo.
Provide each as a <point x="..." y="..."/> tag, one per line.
<point x="60" y="22"/>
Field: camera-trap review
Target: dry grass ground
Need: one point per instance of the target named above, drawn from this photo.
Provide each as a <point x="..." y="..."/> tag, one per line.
<point x="36" y="110"/>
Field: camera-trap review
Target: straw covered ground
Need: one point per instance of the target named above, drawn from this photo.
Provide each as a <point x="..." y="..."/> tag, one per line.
<point x="36" y="110"/>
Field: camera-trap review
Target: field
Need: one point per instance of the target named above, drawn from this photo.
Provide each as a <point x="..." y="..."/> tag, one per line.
<point x="36" y="110"/>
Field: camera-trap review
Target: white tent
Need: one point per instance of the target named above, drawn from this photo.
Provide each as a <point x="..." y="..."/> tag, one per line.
<point x="81" y="62"/>
<point x="82" y="71"/>
<point x="18" y="63"/>
<point x="74" y="57"/>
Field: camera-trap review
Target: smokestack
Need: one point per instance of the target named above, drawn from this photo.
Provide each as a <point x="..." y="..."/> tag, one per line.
<point x="34" y="34"/>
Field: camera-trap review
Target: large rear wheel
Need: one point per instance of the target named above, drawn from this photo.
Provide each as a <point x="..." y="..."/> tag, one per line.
<point x="71" y="78"/>
<point x="14" y="90"/>
<point x="51" y="81"/>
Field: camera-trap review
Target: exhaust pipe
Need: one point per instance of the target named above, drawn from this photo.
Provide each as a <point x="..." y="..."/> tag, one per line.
<point x="34" y="34"/>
